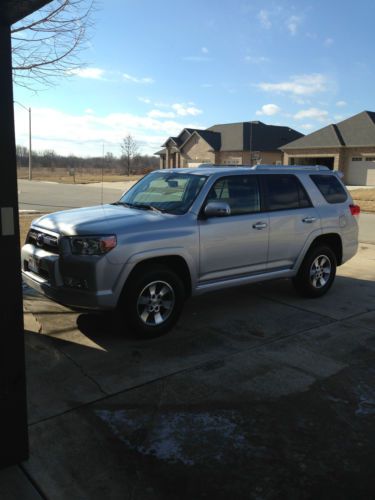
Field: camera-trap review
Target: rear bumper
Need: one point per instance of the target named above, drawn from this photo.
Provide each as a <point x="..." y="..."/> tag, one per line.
<point x="349" y="250"/>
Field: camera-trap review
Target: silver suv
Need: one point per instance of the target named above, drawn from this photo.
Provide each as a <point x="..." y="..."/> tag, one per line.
<point x="183" y="232"/>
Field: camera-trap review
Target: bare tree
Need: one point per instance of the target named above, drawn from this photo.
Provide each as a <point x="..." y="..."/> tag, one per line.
<point x="129" y="148"/>
<point x="46" y="44"/>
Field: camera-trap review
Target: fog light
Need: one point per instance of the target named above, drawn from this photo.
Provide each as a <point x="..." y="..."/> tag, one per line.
<point x="75" y="283"/>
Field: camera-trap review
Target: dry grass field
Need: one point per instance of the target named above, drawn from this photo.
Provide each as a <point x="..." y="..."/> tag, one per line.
<point x="81" y="176"/>
<point x="25" y="221"/>
<point x="365" y="198"/>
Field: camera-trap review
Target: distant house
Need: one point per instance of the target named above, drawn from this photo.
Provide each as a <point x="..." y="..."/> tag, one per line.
<point x="244" y="143"/>
<point x="348" y="146"/>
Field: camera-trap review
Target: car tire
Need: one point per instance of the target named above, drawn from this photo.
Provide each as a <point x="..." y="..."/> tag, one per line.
<point x="317" y="272"/>
<point x="152" y="301"/>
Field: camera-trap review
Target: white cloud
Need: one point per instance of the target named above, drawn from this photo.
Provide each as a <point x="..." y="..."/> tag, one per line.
<point x="204" y="50"/>
<point x="156" y="113"/>
<point x="264" y="18"/>
<point x="314" y="113"/>
<point x="135" y="79"/>
<point x="268" y="110"/>
<point x="256" y="59"/>
<point x="146" y="100"/>
<point x="341" y="104"/>
<point x="186" y="110"/>
<point x="207" y="85"/>
<point x="92" y="73"/>
<point x="298" y="85"/>
<point x="85" y="134"/>
<point x="328" y="42"/>
<point x="307" y="126"/>
<point x="89" y="111"/>
<point x="293" y="24"/>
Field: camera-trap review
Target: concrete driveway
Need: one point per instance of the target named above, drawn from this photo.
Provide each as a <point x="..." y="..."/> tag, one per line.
<point x="256" y="393"/>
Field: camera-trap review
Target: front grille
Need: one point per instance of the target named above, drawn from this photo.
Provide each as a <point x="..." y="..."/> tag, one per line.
<point x="43" y="240"/>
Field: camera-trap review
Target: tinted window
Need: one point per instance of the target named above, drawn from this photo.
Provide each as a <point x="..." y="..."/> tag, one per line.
<point x="284" y="192"/>
<point x="330" y="188"/>
<point x="240" y="192"/>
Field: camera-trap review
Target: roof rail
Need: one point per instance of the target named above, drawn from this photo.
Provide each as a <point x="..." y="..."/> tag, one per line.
<point x="291" y="167"/>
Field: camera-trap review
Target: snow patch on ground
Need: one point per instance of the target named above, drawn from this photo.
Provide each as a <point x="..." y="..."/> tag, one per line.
<point x="185" y="436"/>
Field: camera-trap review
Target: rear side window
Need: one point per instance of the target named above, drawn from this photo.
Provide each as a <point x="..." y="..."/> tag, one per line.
<point x="330" y="188"/>
<point x="284" y="192"/>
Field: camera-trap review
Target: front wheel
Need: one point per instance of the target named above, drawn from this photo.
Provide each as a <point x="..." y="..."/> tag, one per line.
<point x="152" y="301"/>
<point x="317" y="272"/>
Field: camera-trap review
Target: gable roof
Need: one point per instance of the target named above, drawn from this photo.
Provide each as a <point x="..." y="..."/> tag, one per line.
<point x="254" y="135"/>
<point x="241" y="136"/>
<point x="213" y="139"/>
<point x="358" y="130"/>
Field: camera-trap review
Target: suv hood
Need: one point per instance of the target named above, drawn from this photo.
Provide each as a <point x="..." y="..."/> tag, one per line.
<point x="101" y="219"/>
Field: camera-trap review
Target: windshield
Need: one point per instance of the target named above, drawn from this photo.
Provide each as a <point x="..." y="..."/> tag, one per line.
<point x="166" y="192"/>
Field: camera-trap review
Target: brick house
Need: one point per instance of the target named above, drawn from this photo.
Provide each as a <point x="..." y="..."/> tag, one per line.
<point x="348" y="146"/>
<point x="244" y="143"/>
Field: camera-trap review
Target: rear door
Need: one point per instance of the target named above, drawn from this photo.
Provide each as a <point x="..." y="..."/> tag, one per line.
<point x="237" y="244"/>
<point x="292" y="218"/>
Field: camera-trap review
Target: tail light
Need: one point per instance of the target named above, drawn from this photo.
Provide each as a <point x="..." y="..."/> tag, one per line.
<point x="355" y="209"/>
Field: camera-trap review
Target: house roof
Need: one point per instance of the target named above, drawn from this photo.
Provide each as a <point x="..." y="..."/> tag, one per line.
<point x="241" y="136"/>
<point x="358" y="130"/>
<point x="255" y="136"/>
<point x="212" y="138"/>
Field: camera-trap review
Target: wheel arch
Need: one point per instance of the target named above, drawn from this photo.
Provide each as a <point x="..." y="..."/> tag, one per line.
<point x="334" y="241"/>
<point x="174" y="262"/>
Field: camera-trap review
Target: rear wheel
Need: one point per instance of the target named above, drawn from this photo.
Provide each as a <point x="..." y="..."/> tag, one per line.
<point x="152" y="300"/>
<point x="317" y="272"/>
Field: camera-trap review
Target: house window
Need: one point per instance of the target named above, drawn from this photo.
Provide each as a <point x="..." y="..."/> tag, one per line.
<point x="357" y="158"/>
<point x="233" y="161"/>
<point x="370" y="158"/>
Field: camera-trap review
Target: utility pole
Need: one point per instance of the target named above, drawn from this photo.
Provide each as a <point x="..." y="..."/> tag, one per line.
<point x="251" y="144"/>
<point x="30" y="152"/>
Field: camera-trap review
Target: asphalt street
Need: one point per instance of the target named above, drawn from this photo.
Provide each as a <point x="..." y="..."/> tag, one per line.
<point x="50" y="197"/>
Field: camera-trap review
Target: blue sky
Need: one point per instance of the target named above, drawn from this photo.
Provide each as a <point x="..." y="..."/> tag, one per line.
<point x="153" y="68"/>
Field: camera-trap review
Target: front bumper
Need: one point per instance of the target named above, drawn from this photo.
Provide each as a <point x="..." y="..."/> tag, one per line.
<point x="47" y="273"/>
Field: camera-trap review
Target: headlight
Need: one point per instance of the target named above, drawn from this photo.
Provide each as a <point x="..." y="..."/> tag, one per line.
<point x="92" y="245"/>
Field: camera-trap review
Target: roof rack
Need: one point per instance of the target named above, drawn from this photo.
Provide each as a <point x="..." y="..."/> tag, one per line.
<point x="291" y="167"/>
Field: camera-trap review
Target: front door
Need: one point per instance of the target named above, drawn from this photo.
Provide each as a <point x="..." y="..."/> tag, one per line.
<point x="237" y="244"/>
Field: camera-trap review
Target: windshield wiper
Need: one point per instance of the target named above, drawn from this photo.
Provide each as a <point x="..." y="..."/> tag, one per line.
<point x="141" y="206"/>
<point x="146" y="206"/>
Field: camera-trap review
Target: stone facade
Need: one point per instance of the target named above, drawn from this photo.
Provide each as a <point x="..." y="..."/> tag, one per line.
<point x="196" y="150"/>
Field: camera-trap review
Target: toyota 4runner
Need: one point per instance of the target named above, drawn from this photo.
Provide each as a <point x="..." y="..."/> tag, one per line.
<point x="182" y="232"/>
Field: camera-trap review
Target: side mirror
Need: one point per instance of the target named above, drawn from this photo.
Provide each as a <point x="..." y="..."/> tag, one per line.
<point x="217" y="209"/>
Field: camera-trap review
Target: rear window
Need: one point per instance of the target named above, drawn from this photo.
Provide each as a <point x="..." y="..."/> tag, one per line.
<point x="284" y="192"/>
<point x="330" y="187"/>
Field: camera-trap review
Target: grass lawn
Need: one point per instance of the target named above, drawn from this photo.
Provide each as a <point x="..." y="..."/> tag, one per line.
<point x="365" y="198"/>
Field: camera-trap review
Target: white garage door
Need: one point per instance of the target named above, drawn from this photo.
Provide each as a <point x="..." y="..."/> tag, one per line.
<point x="196" y="164"/>
<point x="361" y="173"/>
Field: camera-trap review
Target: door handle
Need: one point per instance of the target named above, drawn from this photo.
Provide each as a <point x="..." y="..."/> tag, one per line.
<point x="309" y="220"/>
<point x="260" y="225"/>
